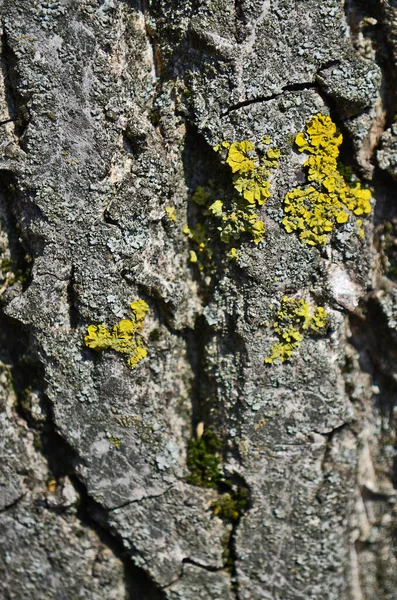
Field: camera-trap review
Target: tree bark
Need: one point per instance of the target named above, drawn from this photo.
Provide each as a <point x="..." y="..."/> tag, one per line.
<point x="203" y="472"/>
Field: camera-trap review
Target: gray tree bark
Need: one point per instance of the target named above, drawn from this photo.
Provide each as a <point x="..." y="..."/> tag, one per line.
<point x="109" y="110"/>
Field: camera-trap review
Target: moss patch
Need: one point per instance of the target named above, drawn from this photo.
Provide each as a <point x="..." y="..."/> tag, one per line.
<point x="203" y="460"/>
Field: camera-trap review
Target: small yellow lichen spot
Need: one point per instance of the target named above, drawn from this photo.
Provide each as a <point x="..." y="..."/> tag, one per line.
<point x="216" y="208"/>
<point x="239" y="158"/>
<point x="98" y="337"/>
<point x="137" y="355"/>
<point x="115" y="442"/>
<point x="52" y="485"/>
<point x="292" y="319"/>
<point x="124" y="338"/>
<point x="193" y="256"/>
<point x="170" y="210"/>
<point x="233" y="254"/>
<point x="140" y="309"/>
<point x="273" y="153"/>
<point x="258" y="229"/>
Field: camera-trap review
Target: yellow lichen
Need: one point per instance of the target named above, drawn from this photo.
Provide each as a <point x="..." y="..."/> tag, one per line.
<point x="114" y="442"/>
<point x="233" y="254"/>
<point x="199" y="237"/>
<point x="312" y="212"/>
<point x="236" y="216"/>
<point x="124" y="337"/>
<point x="170" y="210"/>
<point x="292" y="320"/>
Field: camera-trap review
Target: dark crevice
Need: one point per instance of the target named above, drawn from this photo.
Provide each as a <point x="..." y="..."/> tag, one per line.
<point x="293" y="87"/>
<point x="12" y="504"/>
<point x="379" y="35"/>
<point x="376" y="344"/>
<point x="214" y="409"/>
<point x="190" y="561"/>
<point x="330" y="437"/>
<point x="138" y="500"/>
<point x="107" y="217"/>
<point x="137" y="581"/>
<point x="240" y="21"/>
<point x="20" y="259"/>
<point x="74" y="313"/>
<point x="16" y="102"/>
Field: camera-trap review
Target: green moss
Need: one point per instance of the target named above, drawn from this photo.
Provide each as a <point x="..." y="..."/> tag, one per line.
<point x="231" y="505"/>
<point x="227" y="558"/>
<point x="37" y="443"/>
<point x="10" y="266"/>
<point x="203" y="460"/>
<point x="204" y="463"/>
<point x="155" y="116"/>
<point x="7" y="265"/>
<point x="154" y="335"/>
<point x="24" y="400"/>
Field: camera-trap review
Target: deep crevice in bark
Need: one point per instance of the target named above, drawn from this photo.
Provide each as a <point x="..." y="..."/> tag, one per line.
<point x="239" y="20"/>
<point x="293" y="87"/>
<point x="356" y="13"/>
<point x="207" y="407"/>
<point x="16" y="102"/>
<point x="377" y="347"/>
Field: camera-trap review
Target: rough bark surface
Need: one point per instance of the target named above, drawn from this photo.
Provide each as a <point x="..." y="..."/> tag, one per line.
<point x="108" y="113"/>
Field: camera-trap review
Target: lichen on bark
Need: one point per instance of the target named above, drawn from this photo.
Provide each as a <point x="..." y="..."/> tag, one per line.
<point x="109" y="112"/>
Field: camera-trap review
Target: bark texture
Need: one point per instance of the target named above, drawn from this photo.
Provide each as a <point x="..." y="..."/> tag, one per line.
<point x="109" y="110"/>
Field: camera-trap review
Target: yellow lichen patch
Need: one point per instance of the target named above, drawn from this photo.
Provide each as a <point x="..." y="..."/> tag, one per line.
<point x="203" y="252"/>
<point x="139" y="310"/>
<point x="251" y="171"/>
<point x="124" y="337"/>
<point x="170" y="210"/>
<point x="233" y="216"/>
<point x="240" y="157"/>
<point x="114" y="442"/>
<point x="233" y="254"/>
<point x="313" y="212"/>
<point x="292" y="320"/>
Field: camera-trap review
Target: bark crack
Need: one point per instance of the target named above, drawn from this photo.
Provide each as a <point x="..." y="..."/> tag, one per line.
<point x="295" y="87"/>
<point x="16" y="103"/>
<point x="138" y="500"/>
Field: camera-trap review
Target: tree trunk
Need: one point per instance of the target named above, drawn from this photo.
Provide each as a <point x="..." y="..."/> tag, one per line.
<point x="250" y="454"/>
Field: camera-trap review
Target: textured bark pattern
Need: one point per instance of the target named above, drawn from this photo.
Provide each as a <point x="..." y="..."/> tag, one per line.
<point x="108" y="113"/>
